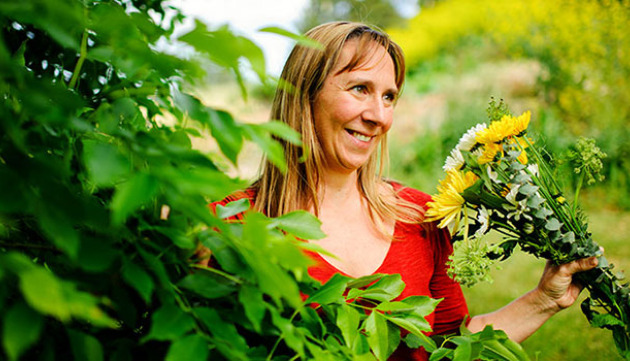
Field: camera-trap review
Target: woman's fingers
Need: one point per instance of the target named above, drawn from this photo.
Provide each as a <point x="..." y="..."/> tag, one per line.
<point x="580" y="265"/>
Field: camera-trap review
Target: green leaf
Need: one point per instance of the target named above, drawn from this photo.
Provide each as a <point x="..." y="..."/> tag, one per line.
<point x="188" y="348"/>
<point x="528" y="189"/>
<point x="233" y="208"/>
<point x="252" y="301"/>
<point x="169" y="323"/>
<point x="291" y="334"/>
<point x="85" y="347"/>
<point x="382" y="338"/>
<point x="605" y="320"/>
<point x="363" y="281"/>
<point x="331" y="292"/>
<point x="104" y="162"/>
<point x="206" y="285"/>
<point x="61" y="232"/>
<point x="440" y="354"/>
<point x="139" y="279"/>
<point x="226" y="49"/>
<point x="227" y="133"/>
<point x="412" y="323"/>
<point x="271" y="147"/>
<point x="385" y="289"/>
<point x="553" y="224"/>
<point x="422" y="305"/>
<point x="132" y="194"/>
<point x="21" y="328"/>
<point x="178" y="237"/>
<point x="283" y="131"/>
<point x="301" y="224"/>
<point x="348" y="320"/>
<point x="213" y="184"/>
<point x="224" y="129"/>
<point x="415" y="341"/>
<point x="44" y="292"/>
<point x="95" y="255"/>
<point x="232" y="344"/>
<point x="300" y="39"/>
<point x="463" y="352"/>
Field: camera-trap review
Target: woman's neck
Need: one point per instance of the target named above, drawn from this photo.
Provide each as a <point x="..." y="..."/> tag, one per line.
<point x="338" y="187"/>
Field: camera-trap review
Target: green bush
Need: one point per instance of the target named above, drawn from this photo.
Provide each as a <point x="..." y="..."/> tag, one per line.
<point x="103" y="203"/>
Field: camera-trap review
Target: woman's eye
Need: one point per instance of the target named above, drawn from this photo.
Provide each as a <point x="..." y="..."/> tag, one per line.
<point x="359" y="88"/>
<point x="389" y="97"/>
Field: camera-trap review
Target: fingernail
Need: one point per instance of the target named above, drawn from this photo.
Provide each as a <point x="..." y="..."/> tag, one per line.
<point x="593" y="261"/>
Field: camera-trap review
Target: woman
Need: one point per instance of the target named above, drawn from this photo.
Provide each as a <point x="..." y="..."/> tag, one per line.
<point x="341" y="101"/>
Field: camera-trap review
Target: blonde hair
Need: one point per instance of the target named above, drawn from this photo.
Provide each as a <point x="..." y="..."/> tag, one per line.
<point x="305" y="72"/>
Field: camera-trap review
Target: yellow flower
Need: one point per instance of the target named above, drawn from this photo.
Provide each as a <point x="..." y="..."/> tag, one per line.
<point x="447" y="204"/>
<point x="489" y="152"/>
<point x="496" y="131"/>
<point x="520" y="123"/>
<point x="508" y="126"/>
<point x="522" y="145"/>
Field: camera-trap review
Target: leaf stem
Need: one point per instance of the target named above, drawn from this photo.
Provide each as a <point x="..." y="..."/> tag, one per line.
<point x="275" y="345"/>
<point x="79" y="65"/>
<point x="220" y="273"/>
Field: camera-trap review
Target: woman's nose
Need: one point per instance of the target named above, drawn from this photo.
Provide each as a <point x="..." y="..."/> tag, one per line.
<point x="377" y="112"/>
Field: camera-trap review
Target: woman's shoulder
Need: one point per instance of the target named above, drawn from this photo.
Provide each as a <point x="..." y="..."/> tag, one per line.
<point x="410" y="194"/>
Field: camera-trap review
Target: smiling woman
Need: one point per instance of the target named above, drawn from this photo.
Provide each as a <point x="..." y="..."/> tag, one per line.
<point x="354" y="109"/>
<point x="341" y="100"/>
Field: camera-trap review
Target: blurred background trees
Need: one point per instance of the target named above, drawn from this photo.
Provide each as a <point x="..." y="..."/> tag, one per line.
<point x="382" y="13"/>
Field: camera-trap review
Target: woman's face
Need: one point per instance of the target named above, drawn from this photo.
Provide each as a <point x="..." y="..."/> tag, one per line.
<point x="354" y="109"/>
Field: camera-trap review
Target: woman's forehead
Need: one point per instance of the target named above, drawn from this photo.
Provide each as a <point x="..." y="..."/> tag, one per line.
<point x="355" y="55"/>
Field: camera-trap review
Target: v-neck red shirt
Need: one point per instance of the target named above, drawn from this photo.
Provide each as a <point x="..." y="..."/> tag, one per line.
<point x="420" y="257"/>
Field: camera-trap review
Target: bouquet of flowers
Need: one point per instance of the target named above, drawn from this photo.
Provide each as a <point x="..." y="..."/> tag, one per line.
<point x="499" y="179"/>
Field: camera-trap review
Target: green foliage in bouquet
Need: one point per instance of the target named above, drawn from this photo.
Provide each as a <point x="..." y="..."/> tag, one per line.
<point x="499" y="179"/>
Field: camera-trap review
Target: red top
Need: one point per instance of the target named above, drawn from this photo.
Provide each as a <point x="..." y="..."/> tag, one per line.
<point x="420" y="258"/>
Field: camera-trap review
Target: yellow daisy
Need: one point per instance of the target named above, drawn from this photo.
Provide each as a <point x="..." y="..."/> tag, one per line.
<point x="489" y="152"/>
<point x="496" y="131"/>
<point x="520" y="123"/>
<point x="522" y="145"/>
<point x="447" y="204"/>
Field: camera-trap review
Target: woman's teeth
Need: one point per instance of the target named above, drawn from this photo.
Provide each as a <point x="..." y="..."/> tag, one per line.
<point x="361" y="137"/>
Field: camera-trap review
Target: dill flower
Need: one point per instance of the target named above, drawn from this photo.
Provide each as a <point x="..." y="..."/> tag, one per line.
<point x="469" y="264"/>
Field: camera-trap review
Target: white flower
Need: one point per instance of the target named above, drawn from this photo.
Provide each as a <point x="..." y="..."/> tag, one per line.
<point x="511" y="196"/>
<point x="454" y="161"/>
<point x="516" y="209"/>
<point x="494" y="176"/>
<point x="468" y="140"/>
<point x="477" y="153"/>
<point x="483" y="217"/>
<point x="533" y="169"/>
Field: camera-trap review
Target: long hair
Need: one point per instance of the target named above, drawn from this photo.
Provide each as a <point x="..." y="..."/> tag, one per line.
<point x="305" y="72"/>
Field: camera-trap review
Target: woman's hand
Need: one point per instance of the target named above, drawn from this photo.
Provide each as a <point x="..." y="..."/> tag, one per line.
<point x="557" y="288"/>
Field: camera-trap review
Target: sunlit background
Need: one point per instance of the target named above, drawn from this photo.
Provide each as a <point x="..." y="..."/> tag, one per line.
<point x="566" y="61"/>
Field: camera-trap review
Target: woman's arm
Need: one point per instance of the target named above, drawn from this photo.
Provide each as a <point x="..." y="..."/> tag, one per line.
<point x="555" y="292"/>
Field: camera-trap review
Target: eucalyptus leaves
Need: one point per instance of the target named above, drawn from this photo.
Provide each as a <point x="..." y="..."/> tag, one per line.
<point x="498" y="179"/>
